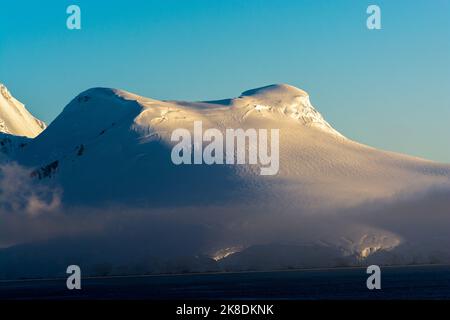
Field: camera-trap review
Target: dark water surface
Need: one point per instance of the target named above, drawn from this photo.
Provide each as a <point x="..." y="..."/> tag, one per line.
<point x="415" y="282"/>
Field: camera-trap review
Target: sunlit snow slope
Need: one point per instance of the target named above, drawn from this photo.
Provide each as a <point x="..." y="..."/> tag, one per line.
<point x="124" y="137"/>
<point x="15" y="119"/>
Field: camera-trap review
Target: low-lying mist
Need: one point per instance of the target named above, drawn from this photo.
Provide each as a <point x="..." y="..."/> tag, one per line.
<point x="40" y="235"/>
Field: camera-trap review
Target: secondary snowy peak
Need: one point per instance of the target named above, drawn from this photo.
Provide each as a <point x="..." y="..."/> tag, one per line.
<point x="15" y="118"/>
<point x="275" y="91"/>
<point x="290" y="101"/>
<point x="88" y="117"/>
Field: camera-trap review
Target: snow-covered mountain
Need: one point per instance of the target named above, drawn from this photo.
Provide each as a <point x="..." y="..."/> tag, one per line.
<point x="15" y="118"/>
<point x="104" y="136"/>
<point x="104" y="166"/>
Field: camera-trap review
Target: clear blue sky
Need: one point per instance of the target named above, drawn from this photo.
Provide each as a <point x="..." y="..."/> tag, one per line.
<point x="388" y="88"/>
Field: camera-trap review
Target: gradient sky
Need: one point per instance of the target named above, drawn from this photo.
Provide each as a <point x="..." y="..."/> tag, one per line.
<point x="389" y="88"/>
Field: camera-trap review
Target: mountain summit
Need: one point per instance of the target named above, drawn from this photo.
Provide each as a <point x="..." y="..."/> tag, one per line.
<point x="15" y="118"/>
<point x="290" y="101"/>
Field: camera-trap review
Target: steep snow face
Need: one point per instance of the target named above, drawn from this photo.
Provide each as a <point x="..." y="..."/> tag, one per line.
<point x="86" y="120"/>
<point x="15" y="118"/>
<point x="289" y="101"/>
